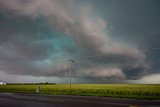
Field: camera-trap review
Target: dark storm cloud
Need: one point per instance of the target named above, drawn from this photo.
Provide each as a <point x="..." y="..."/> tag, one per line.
<point x="86" y="29"/>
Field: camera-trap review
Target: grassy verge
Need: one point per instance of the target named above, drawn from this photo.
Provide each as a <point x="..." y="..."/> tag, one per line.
<point x="105" y="90"/>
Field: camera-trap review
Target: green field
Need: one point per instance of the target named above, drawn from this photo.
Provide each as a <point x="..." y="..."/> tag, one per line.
<point x="108" y="90"/>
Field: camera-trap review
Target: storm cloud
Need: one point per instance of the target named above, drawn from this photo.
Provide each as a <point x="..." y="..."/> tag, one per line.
<point x="25" y="53"/>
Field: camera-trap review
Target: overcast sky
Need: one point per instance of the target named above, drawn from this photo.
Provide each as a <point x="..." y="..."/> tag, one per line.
<point x="111" y="41"/>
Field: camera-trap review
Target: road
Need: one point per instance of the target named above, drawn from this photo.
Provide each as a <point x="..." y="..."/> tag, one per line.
<point x="38" y="100"/>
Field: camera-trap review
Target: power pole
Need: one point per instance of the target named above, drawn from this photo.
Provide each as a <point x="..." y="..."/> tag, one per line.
<point x="70" y="74"/>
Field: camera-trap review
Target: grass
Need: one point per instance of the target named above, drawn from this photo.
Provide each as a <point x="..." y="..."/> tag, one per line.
<point x="105" y="90"/>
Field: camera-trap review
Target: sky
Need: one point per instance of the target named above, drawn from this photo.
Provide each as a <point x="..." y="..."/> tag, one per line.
<point x="110" y="41"/>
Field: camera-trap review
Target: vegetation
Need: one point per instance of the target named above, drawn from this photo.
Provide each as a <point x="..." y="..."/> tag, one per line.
<point x="46" y="83"/>
<point x="109" y="90"/>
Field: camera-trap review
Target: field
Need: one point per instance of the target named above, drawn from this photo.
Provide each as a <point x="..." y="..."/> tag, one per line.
<point x="105" y="90"/>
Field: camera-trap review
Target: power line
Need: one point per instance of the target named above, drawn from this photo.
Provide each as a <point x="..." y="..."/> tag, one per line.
<point x="153" y="49"/>
<point x="110" y="55"/>
<point x="107" y="56"/>
<point x="110" y="58"/>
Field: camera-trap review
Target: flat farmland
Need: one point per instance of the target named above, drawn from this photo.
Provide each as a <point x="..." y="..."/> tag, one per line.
<point x="135" y="91"/>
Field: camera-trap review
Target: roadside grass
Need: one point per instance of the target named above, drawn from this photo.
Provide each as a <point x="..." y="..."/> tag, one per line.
<point x="135" y="91"/>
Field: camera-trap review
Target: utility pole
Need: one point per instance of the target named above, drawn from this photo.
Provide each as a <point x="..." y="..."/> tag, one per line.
<point x="70" y="74"/>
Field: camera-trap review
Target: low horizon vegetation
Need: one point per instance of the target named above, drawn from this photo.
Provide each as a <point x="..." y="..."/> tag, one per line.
<point x="135" y="91"/>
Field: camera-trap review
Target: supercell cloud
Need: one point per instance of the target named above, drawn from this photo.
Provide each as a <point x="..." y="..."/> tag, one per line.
<point x="37" y="35"/>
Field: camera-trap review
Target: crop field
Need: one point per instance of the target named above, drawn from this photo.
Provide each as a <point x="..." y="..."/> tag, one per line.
<point x="105" y="90"/>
